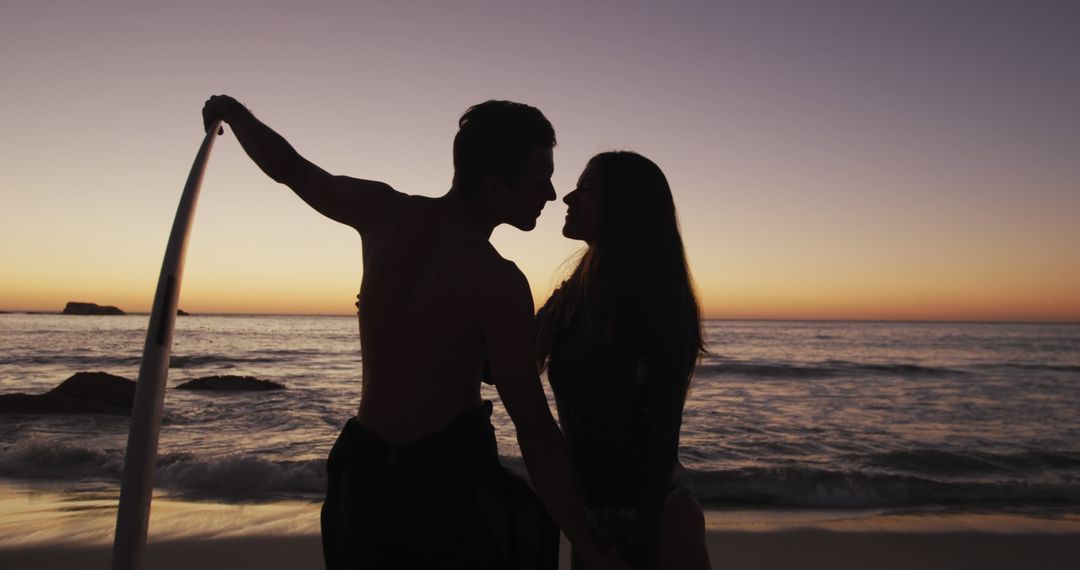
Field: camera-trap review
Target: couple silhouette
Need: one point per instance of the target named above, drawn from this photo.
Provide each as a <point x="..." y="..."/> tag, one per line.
<point x="414" y="479"/>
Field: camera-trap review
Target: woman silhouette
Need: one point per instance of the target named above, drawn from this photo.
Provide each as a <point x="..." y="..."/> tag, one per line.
<point x="620" y="339"/>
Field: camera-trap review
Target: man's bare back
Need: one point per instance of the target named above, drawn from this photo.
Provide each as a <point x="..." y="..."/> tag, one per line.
<point x="426" y="278"/>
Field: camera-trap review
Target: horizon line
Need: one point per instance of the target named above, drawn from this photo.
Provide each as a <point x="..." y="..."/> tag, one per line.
<point x="704" y="319"/>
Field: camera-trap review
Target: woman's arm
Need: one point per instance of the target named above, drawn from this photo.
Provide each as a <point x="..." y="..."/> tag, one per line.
<point x="667" y="357"/>
<point x="664" y="399"/>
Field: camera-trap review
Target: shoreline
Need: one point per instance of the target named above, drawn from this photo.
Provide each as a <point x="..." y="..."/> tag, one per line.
<point x="44" y="525"/>
<point x="34" y="512"/>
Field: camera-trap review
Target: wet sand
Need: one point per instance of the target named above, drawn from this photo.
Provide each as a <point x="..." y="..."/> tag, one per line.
<point x="42" y="526"/>
<point x="803" y="549"/>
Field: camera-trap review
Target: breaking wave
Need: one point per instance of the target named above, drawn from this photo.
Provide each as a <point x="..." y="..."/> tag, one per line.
<point x="237" y="477"/>
<point x="895" y="479"/>
<point x="825" y="369"/>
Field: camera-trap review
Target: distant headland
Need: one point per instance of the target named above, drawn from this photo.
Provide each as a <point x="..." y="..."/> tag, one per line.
<point x="83" y="308"/>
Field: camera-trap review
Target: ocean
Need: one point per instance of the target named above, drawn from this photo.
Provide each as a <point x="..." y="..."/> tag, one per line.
<point x="822" y="415"/>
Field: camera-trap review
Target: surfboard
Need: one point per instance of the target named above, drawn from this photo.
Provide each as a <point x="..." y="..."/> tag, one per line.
<point x="137" y="484"/>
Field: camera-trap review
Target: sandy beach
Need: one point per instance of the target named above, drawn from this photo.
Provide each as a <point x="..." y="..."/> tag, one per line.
<point x="804" y="548"/>
<point x="45" y="526"/>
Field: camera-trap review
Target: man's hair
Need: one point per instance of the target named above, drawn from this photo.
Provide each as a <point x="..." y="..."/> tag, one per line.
<point x="495" y="138"/>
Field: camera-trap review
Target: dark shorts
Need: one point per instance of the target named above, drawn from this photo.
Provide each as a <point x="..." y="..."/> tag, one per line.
<point x="443" y="501"/>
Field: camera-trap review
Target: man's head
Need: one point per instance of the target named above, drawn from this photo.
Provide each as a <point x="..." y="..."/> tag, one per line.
<point x="502" y="155"/>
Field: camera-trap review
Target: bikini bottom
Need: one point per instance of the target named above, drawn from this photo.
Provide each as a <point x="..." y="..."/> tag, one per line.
<point x="616" y="524"/>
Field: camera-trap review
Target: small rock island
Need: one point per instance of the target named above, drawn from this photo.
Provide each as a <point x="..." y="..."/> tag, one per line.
<point x="78" y="308"/>
<point x="229" y="383"/>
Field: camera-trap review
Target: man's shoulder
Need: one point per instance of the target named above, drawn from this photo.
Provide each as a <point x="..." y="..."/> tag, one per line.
<point x="412" y="204"/>
<point x="506" y="272"/>
<point x="501" y="280"/>
<point x="405" y="214"/>
<point x="370" y="195"/>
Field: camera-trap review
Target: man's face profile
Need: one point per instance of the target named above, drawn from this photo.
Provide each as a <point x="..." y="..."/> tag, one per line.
<point x="533" y="190"/>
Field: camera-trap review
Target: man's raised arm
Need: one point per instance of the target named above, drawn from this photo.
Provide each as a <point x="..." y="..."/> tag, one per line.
<point x="351" y="201"/>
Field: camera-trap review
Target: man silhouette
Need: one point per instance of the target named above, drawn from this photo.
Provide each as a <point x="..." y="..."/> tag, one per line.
<point x="414" y="479"/>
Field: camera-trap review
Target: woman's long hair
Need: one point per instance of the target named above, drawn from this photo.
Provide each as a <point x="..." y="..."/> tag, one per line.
<point x="633" y="281"/>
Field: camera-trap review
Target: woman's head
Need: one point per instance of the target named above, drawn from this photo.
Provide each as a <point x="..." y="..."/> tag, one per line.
<point x="635" y="264"/>
<point x="623" y="209"/>
<point x="621" y="198"/>
<point x="623" y="203"/>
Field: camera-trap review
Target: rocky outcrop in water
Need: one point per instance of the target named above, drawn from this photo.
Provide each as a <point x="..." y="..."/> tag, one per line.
<point x="230" y="384"/>
<point x="76" y="308"/>
<point x="83" y="393"/>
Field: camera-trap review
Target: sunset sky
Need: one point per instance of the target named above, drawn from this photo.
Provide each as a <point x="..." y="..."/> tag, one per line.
<point x="861" y="159"/>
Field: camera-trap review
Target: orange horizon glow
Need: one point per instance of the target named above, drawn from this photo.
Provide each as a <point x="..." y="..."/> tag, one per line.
<point x="867" y="307"/>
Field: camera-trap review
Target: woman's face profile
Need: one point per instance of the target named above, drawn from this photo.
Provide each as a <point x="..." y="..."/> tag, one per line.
<point x="583" y="208"/>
